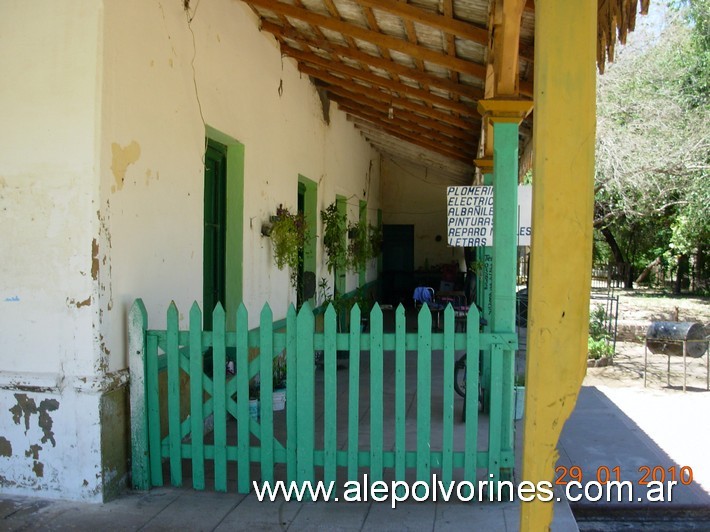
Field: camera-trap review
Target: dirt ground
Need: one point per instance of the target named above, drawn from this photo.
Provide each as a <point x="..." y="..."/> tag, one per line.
<point x="637" y="309"/>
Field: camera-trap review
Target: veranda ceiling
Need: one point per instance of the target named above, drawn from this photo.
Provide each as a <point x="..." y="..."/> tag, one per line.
<point x="409" y="73"/>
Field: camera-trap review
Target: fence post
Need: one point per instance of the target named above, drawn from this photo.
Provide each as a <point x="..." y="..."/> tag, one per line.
<point x="423" y="469"/>
<point x="174" y="421"/>
<point x="305" y="373"/>
<point x="197" y="427"/>
<point x="137" y="327"/>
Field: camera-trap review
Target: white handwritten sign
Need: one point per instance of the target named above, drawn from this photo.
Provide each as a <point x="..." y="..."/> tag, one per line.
<point x="469" y="216"/>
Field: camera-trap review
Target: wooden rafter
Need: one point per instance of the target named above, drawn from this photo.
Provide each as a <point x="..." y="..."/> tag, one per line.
<point x="411" y="127"/>
<point x="394" y="68"/>
<point x="413" y="139"/>
<point x="417" y="66"/>
<point x="358" y="101"/>
<point x="367" y="95"/>
<point x="376" y="38"/>
<point x="464" y="30"/>
<point x="374" y="79"/>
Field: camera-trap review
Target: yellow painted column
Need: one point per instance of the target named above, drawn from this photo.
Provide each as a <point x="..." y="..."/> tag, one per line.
<point x="563" y="203"/>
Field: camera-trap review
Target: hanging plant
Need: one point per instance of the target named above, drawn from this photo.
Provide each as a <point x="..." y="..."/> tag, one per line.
<point x="375" y="236"/>
<point x="289" y="235"/>
<point x="359" y="248"/>
<point x="334" y="227"/>
<point x="365" y="244"/>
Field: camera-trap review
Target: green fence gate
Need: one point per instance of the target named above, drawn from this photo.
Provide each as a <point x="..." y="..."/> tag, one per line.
<point x="188" y="408"/>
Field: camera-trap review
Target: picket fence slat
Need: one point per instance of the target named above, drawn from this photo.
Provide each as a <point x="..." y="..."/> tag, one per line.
<point x="330" y="414"/>
<point x="153" y="404"/>
<point x="376" y="394"/>
<point x="447" y="464"/>
<point x="305" y="372"/>
<point x="243" y="414"/>
<point x="219" y="358"/>
<point x="400" y="405"/>
<point x="196" y="421"/>
<point x="291" y="394"/>
<point x="174" y="427"/>
<point x="424" y="396"/>
<point x="266" y="394"/>
<point x="354" y="396"/>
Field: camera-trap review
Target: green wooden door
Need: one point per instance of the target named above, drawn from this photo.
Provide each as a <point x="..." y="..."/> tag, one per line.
<point x="214" y="249"/>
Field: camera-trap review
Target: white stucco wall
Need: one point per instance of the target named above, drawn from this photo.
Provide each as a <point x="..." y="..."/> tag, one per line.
<point x="49" y="102"/>
<point x="168" y="74"/>
<point x="415" y="195"/>
<point x="105" y="108"/>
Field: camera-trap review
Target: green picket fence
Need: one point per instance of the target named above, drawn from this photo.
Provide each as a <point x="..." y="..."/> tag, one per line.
<point x="192" y="364"/>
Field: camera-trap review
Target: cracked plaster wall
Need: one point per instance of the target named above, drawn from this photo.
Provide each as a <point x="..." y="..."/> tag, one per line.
<point x="50" y="59"/>
<point x="101" y="189"/>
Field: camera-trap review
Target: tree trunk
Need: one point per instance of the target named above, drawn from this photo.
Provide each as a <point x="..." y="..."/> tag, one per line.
<point x="648" y="269"/>
<point x="618" y="257"/>
<point x="615" y="249"/>
<point x="700" y="277"/>
<point x="683" y="266"/>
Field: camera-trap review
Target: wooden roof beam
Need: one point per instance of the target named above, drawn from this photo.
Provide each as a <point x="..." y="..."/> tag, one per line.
<point x="336" y="85"/>
<point x="413" y="139"/>
<point x="506" y="43"/>
<point x="359" y="101"/>
<point x="390" y="66"/>
<point x="382" y="118"/>
<point x="463" y="30"/>
<point x="374" y="79"/>
<point x="378" y="39"/>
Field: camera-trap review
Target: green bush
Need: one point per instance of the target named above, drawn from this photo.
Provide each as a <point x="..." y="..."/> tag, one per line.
<point x="598" y="345"/>
<point x="599" y="348"/>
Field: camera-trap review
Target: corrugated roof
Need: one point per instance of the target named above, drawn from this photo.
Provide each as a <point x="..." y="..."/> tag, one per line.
<point x="409" y="74"/>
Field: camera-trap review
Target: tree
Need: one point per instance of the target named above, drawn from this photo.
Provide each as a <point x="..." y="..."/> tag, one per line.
<point x="653" y="187"/>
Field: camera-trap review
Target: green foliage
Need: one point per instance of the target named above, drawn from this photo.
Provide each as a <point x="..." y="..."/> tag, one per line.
<point x="365" y="243"/>
<point x="599" y="348"/>
<point x="334" y="227"/>
<point x="597" y="323"/>
<point x="358" y="246"/>
<point x="279" y="371"/>
<point x="598" y="345"/>
<point x="653" y="150"/>
<point x="289" y="234"/>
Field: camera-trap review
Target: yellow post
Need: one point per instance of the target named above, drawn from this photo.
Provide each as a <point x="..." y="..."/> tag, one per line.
<point x="563" y="202"/>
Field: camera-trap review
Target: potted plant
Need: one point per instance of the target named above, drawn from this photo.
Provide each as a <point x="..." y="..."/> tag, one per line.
<point x="334" y="227"/>
<point x="365" y="244"/>
<point x="599" y="351"/>
<point x="289" y="234"/>
<point x="358" y="246"/>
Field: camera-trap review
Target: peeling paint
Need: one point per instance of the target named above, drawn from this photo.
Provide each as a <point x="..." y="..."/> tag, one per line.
<point x="33" y="451"/>
<point x="25" y="406"/>
<point x="122" y="158"/>
<point x="78" y="304"/>
<point x="45" y="420"/>
<point x="5" y="447"/>
<point x="94" y="259"/>
<point x="38" y="469"/>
